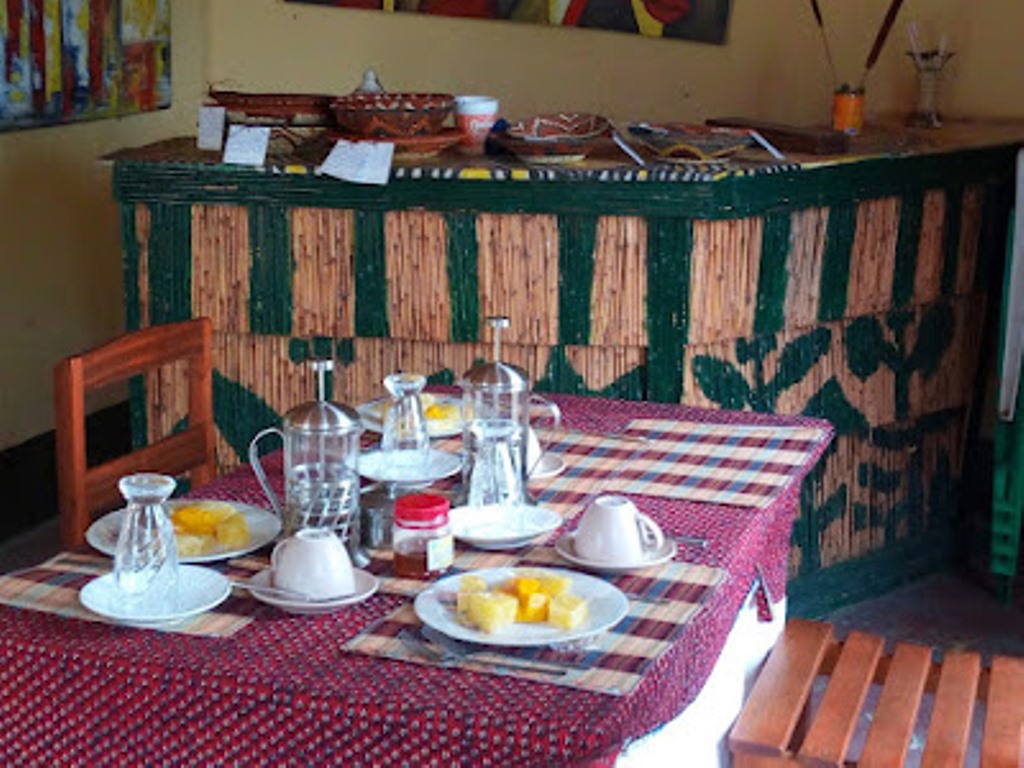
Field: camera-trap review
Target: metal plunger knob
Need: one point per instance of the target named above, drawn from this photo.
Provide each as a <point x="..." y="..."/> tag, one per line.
<point x="498" y="322"/>
<point x="321" y="367"/>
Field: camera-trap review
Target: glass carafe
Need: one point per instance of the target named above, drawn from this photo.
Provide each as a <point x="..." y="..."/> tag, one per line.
<point x="497" y="408"/>
<point x="146" y="554"/>
<point x="404" y="436"/>
<point x="321" y="455"/>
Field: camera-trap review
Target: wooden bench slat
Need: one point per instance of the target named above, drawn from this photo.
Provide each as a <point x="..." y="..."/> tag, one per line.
<point x="780" y="693"/>
<point x="893" y="723"/>
<point x="1002" y="744"/>
<point x="830" y="733"/>
<point x="950" y="726"/>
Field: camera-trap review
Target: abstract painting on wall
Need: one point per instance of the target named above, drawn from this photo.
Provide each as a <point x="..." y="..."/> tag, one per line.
<point x="701" y="20"/>
<point x="70" y="60"/>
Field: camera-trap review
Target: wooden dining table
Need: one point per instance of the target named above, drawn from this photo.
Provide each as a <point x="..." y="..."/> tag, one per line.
<point x="247" y="683"/>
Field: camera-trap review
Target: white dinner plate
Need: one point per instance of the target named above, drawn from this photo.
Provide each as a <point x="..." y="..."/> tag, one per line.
<point x="263" y="529"/>
<point x="497" y="527"/>
<point x="550" y="465"/>
<point x="375" y="466"/>
<point x="566" y="547"/>
<point x="606" y="607"/>
<point x="199" y="589"/>
<point x="371" y="414"/>
<point x="366" y="585"/>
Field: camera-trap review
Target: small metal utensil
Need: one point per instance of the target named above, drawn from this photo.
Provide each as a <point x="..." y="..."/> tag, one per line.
<point x="456" y="650"/>
<point x="281" y="593"/>
<point x="693" y="541"/>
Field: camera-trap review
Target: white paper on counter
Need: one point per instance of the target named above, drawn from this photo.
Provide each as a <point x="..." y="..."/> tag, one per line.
<point x="211" y="128"/>
<point x="361" y="162"/>
<point x="247" y="144"/>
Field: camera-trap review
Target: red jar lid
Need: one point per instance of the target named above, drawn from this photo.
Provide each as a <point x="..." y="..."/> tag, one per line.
<point x="421" y="508"/>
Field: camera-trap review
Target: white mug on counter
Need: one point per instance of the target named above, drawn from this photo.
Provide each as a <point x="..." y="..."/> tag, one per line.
<point x="314" y="563"/>
<point x="613" y="531"/>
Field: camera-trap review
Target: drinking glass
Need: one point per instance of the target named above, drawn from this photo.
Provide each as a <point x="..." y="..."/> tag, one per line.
<point x="496" y="474"/>
<point x="146" y="555"/>
<point x="404" y="433"/>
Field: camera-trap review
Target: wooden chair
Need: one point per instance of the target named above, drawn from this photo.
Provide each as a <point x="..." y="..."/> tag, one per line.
<point x="83" y="490"/>
<point x="777" y="728"/>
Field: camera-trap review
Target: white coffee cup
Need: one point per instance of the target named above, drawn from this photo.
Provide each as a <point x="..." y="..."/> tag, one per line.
<point x="313" y="562"/>
<point x="475" y="116"/>
<point x="613" y="531"/>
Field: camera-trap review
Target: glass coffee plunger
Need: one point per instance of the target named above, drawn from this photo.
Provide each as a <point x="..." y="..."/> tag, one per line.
<point x="321" y="454"/>
<point x="497" y="406"/>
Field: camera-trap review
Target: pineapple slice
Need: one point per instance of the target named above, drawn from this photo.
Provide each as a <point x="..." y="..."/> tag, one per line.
<point x="533" y="608"/>
<point x="191" y="546"/>
<point x="491" y="611"/>
<point x="567" y="611"/>
<point x="206" y="526"/>
<point x="232" y="532"/>
<point x="554" y="585"/>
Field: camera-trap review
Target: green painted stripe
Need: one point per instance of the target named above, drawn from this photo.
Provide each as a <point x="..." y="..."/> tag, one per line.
<point x="130" y="269"/>
<point x="137" y="411"/>
<point x="951" y="238"/>
<point x="170" y="264"/>
<point x="669" y="253"/>
<point x="270" y="276"/>
<point x="769" y="316"/>
<point x="730" y="197"/>
<point x="463" y="276"/>
<point x="577" y="236"/>
<point x="835" y="267"/>
<point x="371" y="275"/>
<point x="908" y="242"/>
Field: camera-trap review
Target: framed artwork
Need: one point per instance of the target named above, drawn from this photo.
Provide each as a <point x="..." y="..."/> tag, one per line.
<point x="70" y="60"/>
<point x="702" y="20"/>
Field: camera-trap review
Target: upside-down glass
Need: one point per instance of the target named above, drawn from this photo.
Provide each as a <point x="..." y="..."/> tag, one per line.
<point x="146" y="554"/>
<point x="404" y="436"/>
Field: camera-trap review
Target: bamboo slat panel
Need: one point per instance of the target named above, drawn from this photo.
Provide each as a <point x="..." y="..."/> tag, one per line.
<point x="221" y="265"/>
<point x="518" y="274"/>
<point x="600" y="367"/>
<point x="952" y="384"/>
<point x="724" y="268"/>
<point x="873" y="256"/>
<point x="167" y="399"/>
<point x="416" y="248"/>
<point x="618" y="300"/>
<point x="803" y="287"/>
<point x="143" y="230"/>
<point x="928" y="276"/>
<point x="323" y="286"/>
<point x="970" y="237"/>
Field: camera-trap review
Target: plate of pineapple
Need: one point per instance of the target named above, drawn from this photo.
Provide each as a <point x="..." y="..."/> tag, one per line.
<point x="204" y="529"/>
<point x="521" y="606"/>
<point x="443" y="414"/>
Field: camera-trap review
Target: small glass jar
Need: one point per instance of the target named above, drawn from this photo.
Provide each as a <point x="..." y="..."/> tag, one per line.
<point x="422" y="538"/>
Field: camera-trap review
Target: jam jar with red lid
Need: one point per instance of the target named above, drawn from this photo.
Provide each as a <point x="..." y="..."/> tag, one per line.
<point x="422" y="537"/>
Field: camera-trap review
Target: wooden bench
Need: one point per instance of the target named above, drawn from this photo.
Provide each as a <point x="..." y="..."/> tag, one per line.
<point x="777" y="727"/>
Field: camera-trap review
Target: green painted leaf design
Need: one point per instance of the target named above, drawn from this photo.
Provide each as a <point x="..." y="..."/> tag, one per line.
<point x="799" y="356"/>
<point x="830" y="403"/>
<point x="721" y="382"/>
<point x="934" y="336"/>
<point x="865" y="346"/>
<point x="240" y="414"/>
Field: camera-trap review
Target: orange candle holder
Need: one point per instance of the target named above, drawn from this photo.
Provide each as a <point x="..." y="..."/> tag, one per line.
<point x="848" y="111"/>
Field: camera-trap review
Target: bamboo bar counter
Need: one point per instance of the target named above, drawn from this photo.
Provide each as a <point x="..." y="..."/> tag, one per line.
<point x="853" y="288"/>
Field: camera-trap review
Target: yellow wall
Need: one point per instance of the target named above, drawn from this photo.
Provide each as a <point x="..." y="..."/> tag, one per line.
<point x="60" y="279"/>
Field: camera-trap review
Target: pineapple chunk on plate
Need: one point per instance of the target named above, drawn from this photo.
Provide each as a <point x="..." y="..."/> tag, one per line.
<point x="604" y="606"/>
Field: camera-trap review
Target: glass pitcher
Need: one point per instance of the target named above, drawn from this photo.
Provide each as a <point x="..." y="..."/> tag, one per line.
<point x="497" y="408"/>
<point x="321" y="454"/>
<point x="146" y="555"/>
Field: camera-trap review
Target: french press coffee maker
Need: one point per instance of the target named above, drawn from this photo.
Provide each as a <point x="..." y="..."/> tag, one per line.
<point x="321" y="454"/>
<point x="497" y="407"/>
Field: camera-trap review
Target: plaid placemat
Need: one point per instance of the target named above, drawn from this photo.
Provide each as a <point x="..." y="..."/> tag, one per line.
<point x="734" y="464"/>
<point x="53" y="587"/>
<point x="661" y="601"/>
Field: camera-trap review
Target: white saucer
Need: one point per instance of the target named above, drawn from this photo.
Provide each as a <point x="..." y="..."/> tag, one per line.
<point x="495" y="527"/>
<point x="366" y="585"/>
<point x="565" y="547"/>
<point x="550" y="465"/>
<point x="199" y="589"/>
<point x="375" y="466"/>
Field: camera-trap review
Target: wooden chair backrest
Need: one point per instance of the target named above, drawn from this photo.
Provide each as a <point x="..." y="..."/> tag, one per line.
<point x="84" y="490"/>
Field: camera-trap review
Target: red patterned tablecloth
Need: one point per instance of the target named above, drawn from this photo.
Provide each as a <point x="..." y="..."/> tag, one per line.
<point x="284" y="690"/>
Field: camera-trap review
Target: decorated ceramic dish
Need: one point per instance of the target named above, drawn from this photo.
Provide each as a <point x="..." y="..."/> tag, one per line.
<point x="275" y="108"/>
<point x="392" y="114"/>
<point x="691" y="143"/>
<point x="570" y="151"/>
<point x="558" y="128"/>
